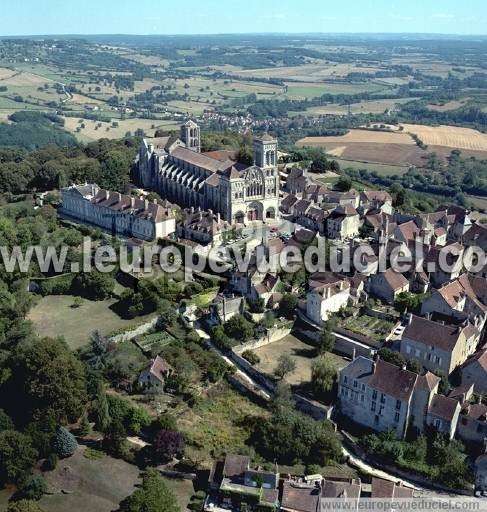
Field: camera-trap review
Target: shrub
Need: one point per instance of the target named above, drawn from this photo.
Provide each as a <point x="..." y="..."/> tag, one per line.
<point x="251" y="357"/>
<point x="65" y="443"/>
<point x="34" y="488"/>
<point x="51" y="461"/>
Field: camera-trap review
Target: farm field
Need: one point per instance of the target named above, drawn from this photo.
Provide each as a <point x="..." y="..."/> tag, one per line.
<point x="390" y="148"/>
<point x="90" y="132"/>
<point x="315" y="71"/>
<point x="453" y="137"/>
<point x="382" y="169"/>
<point x="363" y="107"/>
<point x="449" y="105"/>
<point x="53" y="316"/>
<point x="304" y="90"/>
<point x="302" y="353"/>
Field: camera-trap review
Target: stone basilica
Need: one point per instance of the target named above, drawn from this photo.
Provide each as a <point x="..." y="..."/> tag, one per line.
<point x="177" y="170"/>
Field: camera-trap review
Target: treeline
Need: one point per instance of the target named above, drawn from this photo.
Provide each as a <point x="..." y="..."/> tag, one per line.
<point x="417" y="111"/>
<point x="31" y="130"/>
<point x="106" y="162"/>
<point x="281" y="108"/>
<point x="264" y="57"/>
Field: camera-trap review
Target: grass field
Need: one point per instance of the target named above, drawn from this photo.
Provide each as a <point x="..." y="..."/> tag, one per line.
<point x="302" y="353"/>
<point x="54" y="316"/>
<point x="80" y="483"/>
<point x="449" y="136"/>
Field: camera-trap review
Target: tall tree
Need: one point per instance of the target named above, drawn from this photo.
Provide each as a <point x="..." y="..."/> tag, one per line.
<point x="323" y="375"/>
<point x="153" y="496"/>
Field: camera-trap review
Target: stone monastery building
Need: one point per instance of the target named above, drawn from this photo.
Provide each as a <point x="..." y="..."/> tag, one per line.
<point x="177" y="170"/>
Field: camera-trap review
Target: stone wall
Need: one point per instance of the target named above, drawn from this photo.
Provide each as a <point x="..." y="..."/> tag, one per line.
<point x="272" y="335"/>
<point x="136" y="331"/>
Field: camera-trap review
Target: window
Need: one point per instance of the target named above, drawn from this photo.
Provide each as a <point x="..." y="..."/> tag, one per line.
<point x="362" y="398"/>
<point x="396" y="417"/>
<point x="345" y="379"/>
<point x="355" y="383"/>
<point x="373" y="407"/>
<point x="374" y="394"/>
<point x="376" y="420"/>
<point x="363" y="387"/>
<point x="383" y="398"/>
<point x="398" y="405"/>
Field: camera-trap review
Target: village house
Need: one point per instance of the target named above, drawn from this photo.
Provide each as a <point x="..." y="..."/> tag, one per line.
<point x="296" y="181"/>
<point x="480" y="472"/>
<point x="117" y="213"/>
<point x="472" y="425"/>
<point x="474" y="371"/>
<point x="342" y="223"/>
<point x="153" y="377"/>
<point x="475" y="236"/>
<point x="204" y="227"/>
<point x="346" y="490"/>
<point x="223" y="307"/>
<point x="438" y="346"/>
<point x="300" y="497"/>
<point x="453" y="256"/>
<point x="379" y="200"/>
<point x="382" y="396"/>
<point x="388" y="285"/>
<point x="381" y="489"/>
<point x="235" y="485"/>
<point x="285" y="206"/>
<point x="464" y="298"/>
<point x="328" y="293"/>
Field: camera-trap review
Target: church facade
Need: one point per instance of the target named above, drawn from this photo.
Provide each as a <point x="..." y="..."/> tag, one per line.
<point x="177" y="170"/>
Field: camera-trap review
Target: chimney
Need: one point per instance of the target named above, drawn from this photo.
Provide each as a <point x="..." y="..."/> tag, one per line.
<point x="146" y="204"/>
<point x="154" y="201"/>
<point x="132" y="202"/>
<point x="410" y="319"/>
<point x="218" y="217"/>
<point x="107" y="194"/>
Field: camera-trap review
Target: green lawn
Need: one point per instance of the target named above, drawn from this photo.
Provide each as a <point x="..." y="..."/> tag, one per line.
<point x="54" y="316"/>
<point x="80" y="483"/>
